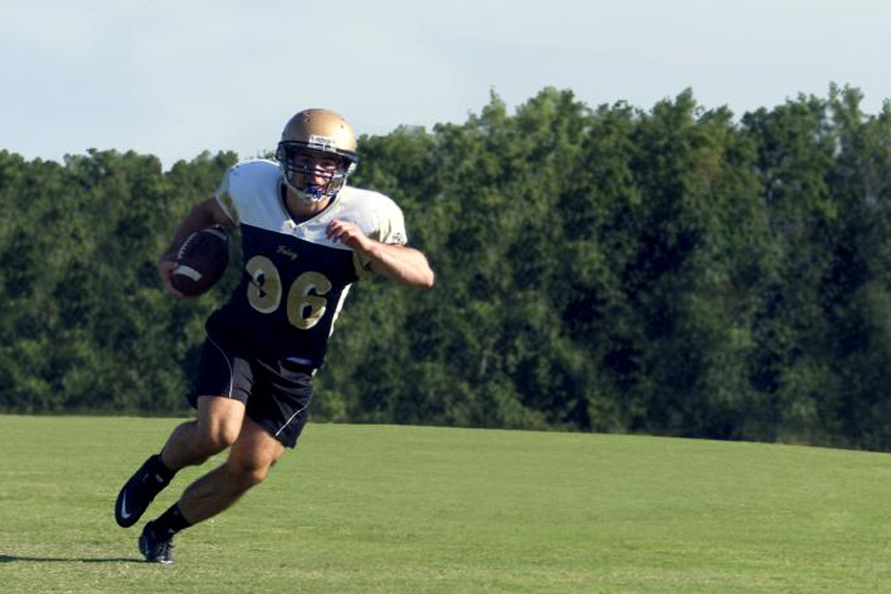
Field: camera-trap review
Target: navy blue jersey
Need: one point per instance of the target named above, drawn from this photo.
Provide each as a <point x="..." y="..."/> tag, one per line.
<point x="295" y="279"/>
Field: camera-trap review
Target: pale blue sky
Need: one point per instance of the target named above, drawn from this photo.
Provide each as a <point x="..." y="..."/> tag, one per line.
<point x="175" y="77"/>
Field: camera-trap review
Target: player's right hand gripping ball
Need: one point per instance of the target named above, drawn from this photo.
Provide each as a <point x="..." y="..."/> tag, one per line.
<point x="201" y="260"/>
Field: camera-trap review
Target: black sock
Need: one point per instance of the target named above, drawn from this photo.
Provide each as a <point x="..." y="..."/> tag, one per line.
<point x="156" y="465"/>
<point x="170" y="522"/>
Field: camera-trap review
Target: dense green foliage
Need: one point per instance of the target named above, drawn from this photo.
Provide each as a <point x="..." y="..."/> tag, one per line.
<point x="670" y="271"/>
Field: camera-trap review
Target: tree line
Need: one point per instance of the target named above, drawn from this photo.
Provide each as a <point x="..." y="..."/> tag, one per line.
<point x="675" y="270"/>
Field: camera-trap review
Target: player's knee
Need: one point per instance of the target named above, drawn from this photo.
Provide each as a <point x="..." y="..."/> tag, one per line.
<point x="218" y="437"/>
<point x="247" y="474"/>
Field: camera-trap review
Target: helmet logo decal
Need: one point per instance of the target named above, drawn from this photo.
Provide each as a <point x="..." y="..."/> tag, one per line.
<point x="321" y="143"/>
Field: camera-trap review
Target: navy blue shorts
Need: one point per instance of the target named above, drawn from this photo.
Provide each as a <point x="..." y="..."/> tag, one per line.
<point x="276" y="393"/>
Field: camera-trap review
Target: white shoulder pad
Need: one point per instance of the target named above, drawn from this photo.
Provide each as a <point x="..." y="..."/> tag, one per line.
<point x="249" y="192"/>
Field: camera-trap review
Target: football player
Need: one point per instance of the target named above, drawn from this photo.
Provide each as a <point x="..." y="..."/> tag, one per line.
<point x="306" y="237"/>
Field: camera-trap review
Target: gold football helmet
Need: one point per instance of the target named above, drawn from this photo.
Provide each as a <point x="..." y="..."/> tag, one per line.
<point x="316" y="154"/>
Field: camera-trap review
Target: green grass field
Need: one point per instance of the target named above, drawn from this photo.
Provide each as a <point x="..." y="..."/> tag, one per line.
<point x="382" y="509"/>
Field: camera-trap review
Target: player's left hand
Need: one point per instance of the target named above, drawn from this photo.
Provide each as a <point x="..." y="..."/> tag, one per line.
<point x="348" y="234"/>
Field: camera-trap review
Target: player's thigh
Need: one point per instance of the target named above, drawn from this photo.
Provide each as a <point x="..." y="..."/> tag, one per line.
<point x="254" y="452"/>
<point x="225" y="381"/>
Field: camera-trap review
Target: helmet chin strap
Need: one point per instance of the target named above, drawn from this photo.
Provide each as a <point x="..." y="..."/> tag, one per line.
<point x="311" y="194"/>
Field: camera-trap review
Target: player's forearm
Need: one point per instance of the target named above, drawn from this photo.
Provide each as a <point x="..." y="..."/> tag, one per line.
<point x="404" y="265"/>
<point x="203" y="215"/>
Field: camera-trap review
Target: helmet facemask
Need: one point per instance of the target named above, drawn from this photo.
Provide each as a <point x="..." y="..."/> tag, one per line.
<point x="311" y="174"/>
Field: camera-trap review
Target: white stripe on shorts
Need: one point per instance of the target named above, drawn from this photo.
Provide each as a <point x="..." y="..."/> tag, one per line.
<point x="229" y="363"/>
<point x="288" y="422"/>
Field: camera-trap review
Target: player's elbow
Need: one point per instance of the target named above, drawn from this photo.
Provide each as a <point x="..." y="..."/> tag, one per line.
<point x="416" y="279"/>
<point x="426" y="279"/>
<point x="416" y="272"/>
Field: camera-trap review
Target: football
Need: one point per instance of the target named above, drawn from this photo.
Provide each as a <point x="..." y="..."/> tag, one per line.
<point x="202" y="260"/>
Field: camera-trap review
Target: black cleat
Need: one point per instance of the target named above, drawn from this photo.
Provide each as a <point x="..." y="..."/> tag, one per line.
<point x="137" y="493"/>
<point x="153" y="548"/>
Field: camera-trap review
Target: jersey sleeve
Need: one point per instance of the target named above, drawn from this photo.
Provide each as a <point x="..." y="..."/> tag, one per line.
<point x="390" y="229"/>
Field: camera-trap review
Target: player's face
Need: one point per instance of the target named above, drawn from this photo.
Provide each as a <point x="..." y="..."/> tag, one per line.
<point x="318" y="168"/>
<point x="312" y="174"/>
